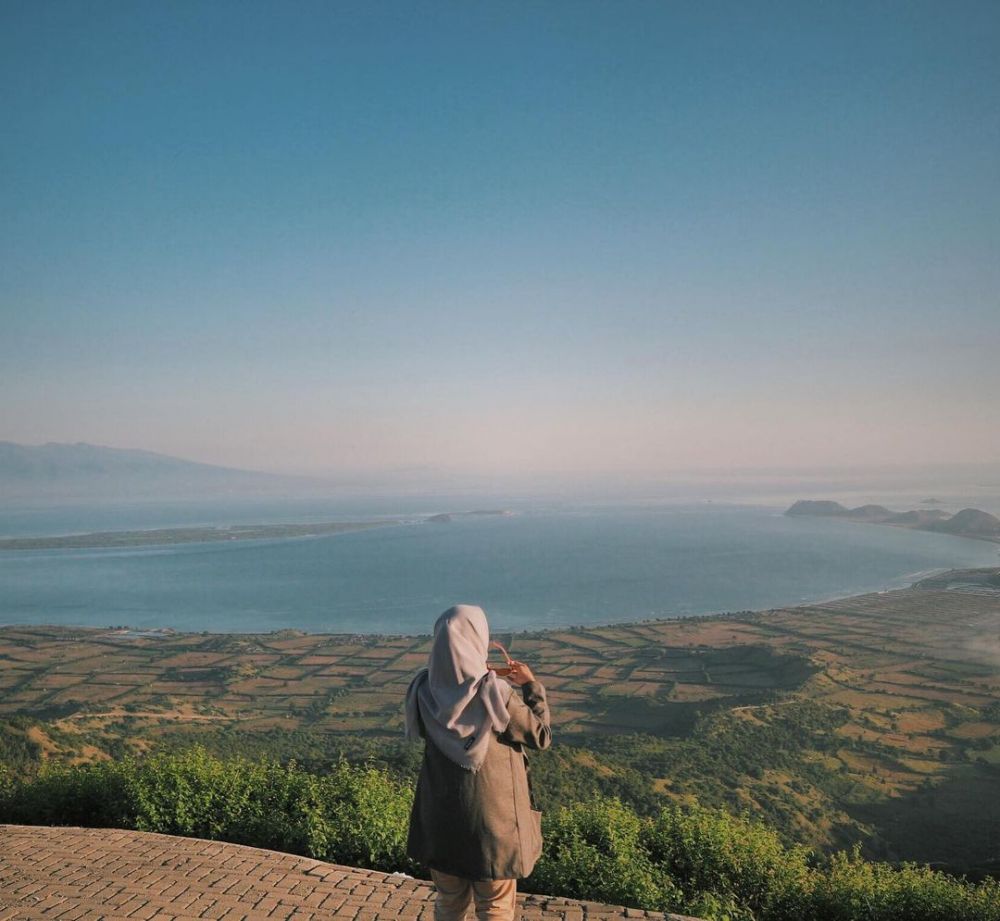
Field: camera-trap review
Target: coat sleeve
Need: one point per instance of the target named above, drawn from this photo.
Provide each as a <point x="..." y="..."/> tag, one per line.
<point x="529" y="718"/>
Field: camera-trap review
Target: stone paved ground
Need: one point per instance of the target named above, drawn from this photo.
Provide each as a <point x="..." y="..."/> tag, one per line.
<point x="89" y="874"/>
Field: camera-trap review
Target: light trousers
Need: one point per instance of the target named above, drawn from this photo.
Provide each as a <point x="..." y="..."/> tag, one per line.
<point x="495" y="899"/>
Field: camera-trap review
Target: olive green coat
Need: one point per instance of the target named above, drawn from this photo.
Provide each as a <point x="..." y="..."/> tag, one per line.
<point x="482" y="824"/>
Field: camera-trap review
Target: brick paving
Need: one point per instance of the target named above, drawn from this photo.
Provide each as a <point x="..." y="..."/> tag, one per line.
<point x="94" y="874"/>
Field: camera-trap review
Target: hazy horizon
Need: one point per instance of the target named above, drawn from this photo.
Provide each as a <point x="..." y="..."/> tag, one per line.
<point x="88" y="474"/>
<point x="511" y="242"/>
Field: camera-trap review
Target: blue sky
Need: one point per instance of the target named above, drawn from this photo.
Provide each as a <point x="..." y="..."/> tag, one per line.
<point x="507" y="238"/>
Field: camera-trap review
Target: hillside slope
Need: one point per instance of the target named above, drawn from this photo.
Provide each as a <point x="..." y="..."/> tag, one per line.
<point x="969" y="522"/>
<point x="89" y="471"/>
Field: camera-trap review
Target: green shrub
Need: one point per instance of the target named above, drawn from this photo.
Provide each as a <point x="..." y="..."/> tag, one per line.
<point x="594" y="851"/>
<point x="367" y="817"/>
<point x="708" y="863"/>
<point x="95" y="795"/>
<point x="711" y="851"/>
<point x="6" y="782"/>
<point x="246" y="802"/>
<point x="18" y="753"/>
<point x="352" y="815"/>
<point x="852" y="889"/>
<point x="698" y="861"/>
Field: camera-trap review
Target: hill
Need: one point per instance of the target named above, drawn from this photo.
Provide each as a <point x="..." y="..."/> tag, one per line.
<point x="817" y="507"/>
<point x="825" y="508"/>
<point x="969" y="522"/>
<point x="83" y="470"/>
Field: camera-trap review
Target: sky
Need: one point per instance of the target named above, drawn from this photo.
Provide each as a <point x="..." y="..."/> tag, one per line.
<point x="569" y="238"/>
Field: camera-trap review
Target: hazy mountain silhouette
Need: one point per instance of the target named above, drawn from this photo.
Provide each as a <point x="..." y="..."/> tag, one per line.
<point x="969" y="522"/>
<point x="83" y="470"/>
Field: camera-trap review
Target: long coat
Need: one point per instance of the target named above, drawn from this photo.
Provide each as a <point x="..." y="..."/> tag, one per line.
<point x="483" y="825"/>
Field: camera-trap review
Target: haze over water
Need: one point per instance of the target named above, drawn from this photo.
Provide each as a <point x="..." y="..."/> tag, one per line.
<point x="542" y="567"/>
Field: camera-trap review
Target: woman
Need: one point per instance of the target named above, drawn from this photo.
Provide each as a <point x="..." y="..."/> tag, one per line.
<point x="473" y="822"/>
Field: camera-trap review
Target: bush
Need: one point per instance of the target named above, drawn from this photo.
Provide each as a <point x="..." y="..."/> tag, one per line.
<point x="367" y="816"/>
<point x="690" y="859"/>
<point x="719" y="867"/>
<point x="246" y="802"/>
<point x="852" y="888"/>
<point x="353" y="815"/>
<point x="594" y="851"/>
<point x="95" y="795"/>
<point x="710" y="851"/>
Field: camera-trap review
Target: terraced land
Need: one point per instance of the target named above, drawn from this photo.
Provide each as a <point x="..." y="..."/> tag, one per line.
<point x="600" y="680"/>
<point x="873" y="719"/>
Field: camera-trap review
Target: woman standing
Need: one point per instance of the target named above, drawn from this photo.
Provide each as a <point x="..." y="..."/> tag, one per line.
<point x="473" y="822"/>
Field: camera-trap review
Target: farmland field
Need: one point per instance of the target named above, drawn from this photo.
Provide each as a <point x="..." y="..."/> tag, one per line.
<point x="873" y="719"/>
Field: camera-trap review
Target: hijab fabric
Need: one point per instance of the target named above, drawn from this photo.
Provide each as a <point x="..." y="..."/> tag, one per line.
<point x="457" y="698"/>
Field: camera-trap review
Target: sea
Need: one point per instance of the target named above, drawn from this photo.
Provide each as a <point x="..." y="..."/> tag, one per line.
<point x="544" y="565"/>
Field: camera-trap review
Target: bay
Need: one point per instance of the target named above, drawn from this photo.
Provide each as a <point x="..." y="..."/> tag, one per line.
<point x="541" y="567"/>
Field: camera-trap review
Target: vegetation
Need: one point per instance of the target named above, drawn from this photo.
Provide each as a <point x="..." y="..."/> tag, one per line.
<point x="351" y="815"/>
<point x="705" y="750"/>
<point x="869" y="720"/>
<point x="18" y="752"/>
<point x="689" y="858"/>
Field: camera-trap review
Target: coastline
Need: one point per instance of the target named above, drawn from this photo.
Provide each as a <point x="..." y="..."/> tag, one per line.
<point x="169" y="537"/>
<point x="891" y="676"/>
<point x="209" y="534"/>
<point x="375" y="584"/>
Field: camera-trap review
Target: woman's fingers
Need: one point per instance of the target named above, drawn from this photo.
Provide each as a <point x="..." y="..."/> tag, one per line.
<point x="520" y="673"/>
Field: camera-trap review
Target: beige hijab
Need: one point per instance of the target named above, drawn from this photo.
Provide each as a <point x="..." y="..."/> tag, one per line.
<point x="459" y="701"/>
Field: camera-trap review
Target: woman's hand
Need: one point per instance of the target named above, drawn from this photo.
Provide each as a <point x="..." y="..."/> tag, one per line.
<point x="520" y="673"/>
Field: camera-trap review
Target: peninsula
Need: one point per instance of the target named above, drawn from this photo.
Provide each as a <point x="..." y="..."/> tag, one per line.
<point x="969" y="522"/>
<point x="209" y="534"/>
<point x="165" y="536"/>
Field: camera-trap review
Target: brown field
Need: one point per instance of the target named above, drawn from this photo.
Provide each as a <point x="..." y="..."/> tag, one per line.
<point x="913" y="653"/>
<point x="976" y="731"/>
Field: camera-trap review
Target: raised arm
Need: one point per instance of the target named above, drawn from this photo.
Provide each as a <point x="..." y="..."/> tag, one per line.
<point x="529" y="718"/>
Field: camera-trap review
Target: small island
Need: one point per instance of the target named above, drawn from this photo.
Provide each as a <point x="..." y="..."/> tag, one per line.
<point x="969" y="522"/>
<point x="446" y="517"/>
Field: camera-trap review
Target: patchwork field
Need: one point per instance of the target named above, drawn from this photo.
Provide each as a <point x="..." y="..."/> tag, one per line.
<point x="873" y="718"/>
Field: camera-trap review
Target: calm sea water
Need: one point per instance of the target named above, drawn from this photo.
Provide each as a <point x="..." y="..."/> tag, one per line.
<point x="540" y="568"/>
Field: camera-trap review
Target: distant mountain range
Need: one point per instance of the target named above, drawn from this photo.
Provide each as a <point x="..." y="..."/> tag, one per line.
<point x="969" y="522"/>
<point x="83" y="471"/>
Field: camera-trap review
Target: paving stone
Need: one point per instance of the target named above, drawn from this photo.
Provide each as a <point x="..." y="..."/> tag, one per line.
<point x="89" y="874"/>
